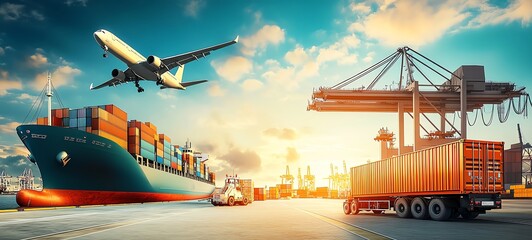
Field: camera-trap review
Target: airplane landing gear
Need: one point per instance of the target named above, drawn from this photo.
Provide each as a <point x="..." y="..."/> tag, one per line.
<point x="139" y="88"/>
<point x="105" y="55"/>
<point x="105" y="49"/>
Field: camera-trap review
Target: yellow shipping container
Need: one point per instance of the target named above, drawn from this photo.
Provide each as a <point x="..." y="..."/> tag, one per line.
<point x="517" y="186"/>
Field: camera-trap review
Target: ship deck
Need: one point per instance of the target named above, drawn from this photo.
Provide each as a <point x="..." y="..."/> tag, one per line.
<point x="273" y="219"/>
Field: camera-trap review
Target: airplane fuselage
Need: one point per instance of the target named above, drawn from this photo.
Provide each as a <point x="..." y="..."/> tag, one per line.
<point x="134" y="60"/>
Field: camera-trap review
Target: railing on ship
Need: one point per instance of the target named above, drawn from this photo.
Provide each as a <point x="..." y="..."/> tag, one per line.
<point x="161" y="167"/>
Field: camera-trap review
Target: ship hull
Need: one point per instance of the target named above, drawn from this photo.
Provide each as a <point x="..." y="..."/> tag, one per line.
<point x="97" y="171"/>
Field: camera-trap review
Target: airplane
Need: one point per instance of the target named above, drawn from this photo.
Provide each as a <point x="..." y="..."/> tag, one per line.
<point x="152" y="68"/>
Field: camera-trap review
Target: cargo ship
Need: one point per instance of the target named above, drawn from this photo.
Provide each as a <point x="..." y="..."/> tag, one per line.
<point x="94" y="156"/>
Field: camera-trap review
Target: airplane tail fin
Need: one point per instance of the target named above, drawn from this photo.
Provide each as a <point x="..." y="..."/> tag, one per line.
<point x="179" y="73"/>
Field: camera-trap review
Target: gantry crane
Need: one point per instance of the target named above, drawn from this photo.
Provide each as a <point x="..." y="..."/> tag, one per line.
<point x="287" y="177"/>
<point x="464" y="91"/>
<point x="310" y="180"/>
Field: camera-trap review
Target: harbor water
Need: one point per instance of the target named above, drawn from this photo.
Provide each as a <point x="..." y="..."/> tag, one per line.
<point x="8" y="201"/>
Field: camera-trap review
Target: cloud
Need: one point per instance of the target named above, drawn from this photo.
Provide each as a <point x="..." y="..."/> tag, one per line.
<point x="10" y="11"/>
<point x="82" y="3"/>
<point x="297" y="56"/>
<point x="216" y="91"/>
<point x="369" y="57"/>
<point x="359" y="7"/>
<point x="9" y="128"/>
<point x="2" y="51"/>
<point x="233" y="68"/>
<point x="251" y="85"/>
<point x="15" y="165"/>
<point x="37" y="15"/>
<point x="13" y="150"/>
<point x="242" y="161"/>
<point x="25" y="96"/>
<point x="63" y="75"/>
<point x="36" y="60"/>
<point x="6" y="84"/>
<point x="283" y="134"/>
<point x="518" y="10"/>
<point x="167" y="94"/>
<point x="193" y="7"/>
<point x="291" y="155"/>
<point x="268" y="34"/>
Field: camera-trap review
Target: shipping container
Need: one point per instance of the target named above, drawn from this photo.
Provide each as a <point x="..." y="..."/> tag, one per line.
<point x="274" y="193"/>
<point x="116" y="111"/>
<point x="459" y="178"/>
<point x="259" y="194"/>
<point x="118" y="140"/>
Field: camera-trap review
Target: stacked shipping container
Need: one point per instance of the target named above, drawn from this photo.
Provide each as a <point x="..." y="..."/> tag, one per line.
<point x="259" y="194"/>
<point x="107" y="121"/>
<point x="137" y="137"/>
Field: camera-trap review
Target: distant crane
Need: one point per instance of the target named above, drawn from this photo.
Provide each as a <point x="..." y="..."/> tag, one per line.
<point x="26" y="180"/>
<point x="339" y="181"/>
<point x="300" y="183"/>
<point x="526" y="150"/>
<point x="4" y="181"/>
<point x="310" y="180"/>
<point x="287" y="177"/>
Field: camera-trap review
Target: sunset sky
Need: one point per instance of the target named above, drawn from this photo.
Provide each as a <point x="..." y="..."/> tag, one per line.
<point x="251" y="116"/>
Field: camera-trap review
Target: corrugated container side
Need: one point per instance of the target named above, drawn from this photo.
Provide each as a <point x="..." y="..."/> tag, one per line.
<point x="147" y="154"/>
<point x="120" y="141"/>
<point x="454" y="168"/>
<point x="100" y="124"/>
<point x="152" y="126"/>
<point x="167" y="162"/>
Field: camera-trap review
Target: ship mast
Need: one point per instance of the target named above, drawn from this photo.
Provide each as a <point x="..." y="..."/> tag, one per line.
<point x="49" y="95"/>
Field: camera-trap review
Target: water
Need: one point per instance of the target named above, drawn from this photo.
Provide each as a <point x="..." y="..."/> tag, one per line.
<point x="8" y="202"/>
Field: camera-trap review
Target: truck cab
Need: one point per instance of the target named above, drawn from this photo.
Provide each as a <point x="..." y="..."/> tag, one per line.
<point x="230" y="194"/>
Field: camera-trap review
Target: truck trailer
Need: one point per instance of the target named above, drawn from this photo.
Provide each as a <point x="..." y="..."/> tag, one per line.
<point x="462" y="178"/>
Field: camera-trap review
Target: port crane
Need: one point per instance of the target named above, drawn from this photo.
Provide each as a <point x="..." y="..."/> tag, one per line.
<point x="309" y="180"/>
<point x="462" y="91"/>
<point x="287" y="177"/>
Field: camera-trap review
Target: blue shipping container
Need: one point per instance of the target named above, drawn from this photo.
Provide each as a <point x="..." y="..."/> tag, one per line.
<point x="73" y="113"/>
<point x="66" y="122"/>
<point x="82" y="122"/>
<point x="88" y="112"/>
<point x="73" y="123"/>
<point x="160" y="159"/>
<point x="147" y="154"/>
<point x="167" y="163"/>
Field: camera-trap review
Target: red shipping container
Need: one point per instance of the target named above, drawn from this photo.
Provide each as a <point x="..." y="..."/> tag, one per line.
<point x="133" y="131"/>
<point x="133" y="148"/>
<point x="164" y="137"/>
<point x="173" y="165"/>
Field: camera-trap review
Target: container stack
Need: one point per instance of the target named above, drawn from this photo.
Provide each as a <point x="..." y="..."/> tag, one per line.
<point x="322" y="192"/>
<point x="178" y="154"/>
<point x="274" y="193"/>
<point x="285" y="190"/>
<point x="166" y="149"/>
<point x="258" y="194"/>
<point x="107" y="121"/>
<point x="302" y="193"/>
<point x="520" y="191"/>
<point x="136" y="137"/>
<point x="147" y="139"/>
<point x="247" y="189"/>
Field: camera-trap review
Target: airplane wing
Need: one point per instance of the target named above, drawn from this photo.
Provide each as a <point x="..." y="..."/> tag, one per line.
<point x="129" y="76"/>
<point x="178" y="60"/>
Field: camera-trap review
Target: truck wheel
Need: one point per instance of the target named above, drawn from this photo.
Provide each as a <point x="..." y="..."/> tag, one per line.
<point x="354" y="207"/>
<point x="231" y="201"/>
<point x="419" y="208"/>
<point x="402" y="208"/>
<point x="347" y="208"/>
<point x="438" y="211"/>
<point x="245" y="201"/>
<point x="469" y="215"/>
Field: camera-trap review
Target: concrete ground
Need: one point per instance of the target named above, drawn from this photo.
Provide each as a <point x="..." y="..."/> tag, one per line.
<point x="274" y="219"/>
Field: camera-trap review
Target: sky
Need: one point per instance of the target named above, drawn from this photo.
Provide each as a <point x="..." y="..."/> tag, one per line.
<point x="251" y="117"/>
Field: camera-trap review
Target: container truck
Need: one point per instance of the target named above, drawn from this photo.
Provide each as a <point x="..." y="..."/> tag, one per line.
<point x="235" y="191"/>
<point x="462" y="178"/>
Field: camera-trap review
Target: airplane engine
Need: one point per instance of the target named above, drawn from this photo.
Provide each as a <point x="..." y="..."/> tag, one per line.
<point x="154" y="62"/>
<point x="117" y="74"/>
